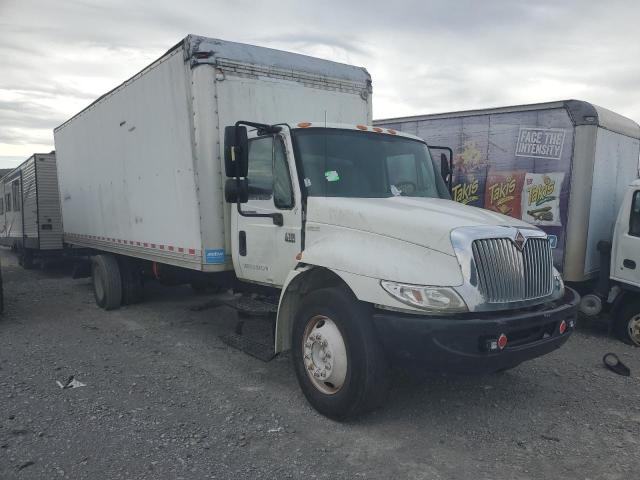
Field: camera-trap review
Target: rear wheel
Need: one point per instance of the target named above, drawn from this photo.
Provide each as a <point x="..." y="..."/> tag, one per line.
<point x="132" y="281"/>
<point x="338" y="361"/>
<point x="107" y="283"/>
<point x="627" y="323"/>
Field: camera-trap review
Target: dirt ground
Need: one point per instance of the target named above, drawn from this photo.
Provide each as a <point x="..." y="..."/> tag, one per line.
<point x="165" y="398"/>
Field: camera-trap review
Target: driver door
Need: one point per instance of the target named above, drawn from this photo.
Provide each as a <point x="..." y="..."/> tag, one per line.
<point x="626" y="264"/>
<point x="263" y="251"/>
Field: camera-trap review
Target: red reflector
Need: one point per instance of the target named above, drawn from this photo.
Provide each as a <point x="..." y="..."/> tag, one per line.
<point x="563" y="326"/>
<point x="502" y="341"/>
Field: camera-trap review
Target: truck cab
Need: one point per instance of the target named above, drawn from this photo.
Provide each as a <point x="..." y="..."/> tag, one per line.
<point x="617" y="293"/>
<point x="354" y="225"/>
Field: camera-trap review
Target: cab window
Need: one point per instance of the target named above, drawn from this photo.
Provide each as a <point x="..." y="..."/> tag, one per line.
<point x="268" y="172"/>
<point x="634" y="220"/>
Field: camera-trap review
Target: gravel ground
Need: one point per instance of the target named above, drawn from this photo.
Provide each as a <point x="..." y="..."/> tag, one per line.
<point x="165" y="398"/>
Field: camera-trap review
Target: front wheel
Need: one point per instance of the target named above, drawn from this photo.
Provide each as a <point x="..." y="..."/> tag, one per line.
<point x="627" y="326"/>
<point x="338" y="361"/>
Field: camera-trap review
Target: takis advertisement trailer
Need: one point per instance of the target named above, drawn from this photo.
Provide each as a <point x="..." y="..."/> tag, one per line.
<point x="519" y="161"/>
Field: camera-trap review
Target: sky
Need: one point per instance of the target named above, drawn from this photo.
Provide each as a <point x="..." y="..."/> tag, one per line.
<point x="425" y="56"/>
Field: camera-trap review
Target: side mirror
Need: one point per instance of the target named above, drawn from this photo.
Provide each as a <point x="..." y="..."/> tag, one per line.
<point x="236" y="151"/>
<point x="445" y="168"/>
<point x="236" y="190"/>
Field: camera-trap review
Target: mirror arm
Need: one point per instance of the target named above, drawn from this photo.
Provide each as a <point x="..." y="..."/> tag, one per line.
<point x="263" y="127"/>
<point x="277" y="218"/>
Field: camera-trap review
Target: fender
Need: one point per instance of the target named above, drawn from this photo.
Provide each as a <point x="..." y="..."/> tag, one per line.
<point x="360" y="260"/>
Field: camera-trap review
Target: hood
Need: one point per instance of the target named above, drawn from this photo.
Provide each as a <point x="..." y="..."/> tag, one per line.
<point x="423" y="221"/>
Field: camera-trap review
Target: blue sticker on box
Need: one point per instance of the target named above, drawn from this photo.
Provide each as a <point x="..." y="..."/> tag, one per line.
<point x="553" y="241"/>
<point x="214" y="256"/>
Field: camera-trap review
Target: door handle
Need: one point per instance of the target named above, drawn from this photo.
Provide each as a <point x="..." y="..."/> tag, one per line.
<point x="242" y="243"/>
<point x="630" y="264"/>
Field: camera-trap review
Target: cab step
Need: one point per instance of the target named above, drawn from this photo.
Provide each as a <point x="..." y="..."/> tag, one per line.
<point x="249" y="346"/>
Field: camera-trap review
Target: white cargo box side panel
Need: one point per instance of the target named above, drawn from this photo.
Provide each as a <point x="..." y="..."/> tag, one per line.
<point x="272" y="100"/>
<point x="126" y="169"/>
<point x="615" y="166"/>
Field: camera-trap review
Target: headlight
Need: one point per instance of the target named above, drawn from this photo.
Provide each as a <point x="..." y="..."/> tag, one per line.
<point x="558" y="285"/>
<point x="436" y="299"/>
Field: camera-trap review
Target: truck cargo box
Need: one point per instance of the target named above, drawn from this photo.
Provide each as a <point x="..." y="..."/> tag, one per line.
<point x="30" y="215"/>
<point x="563" y="166"/>
<point x="140" y="168"/>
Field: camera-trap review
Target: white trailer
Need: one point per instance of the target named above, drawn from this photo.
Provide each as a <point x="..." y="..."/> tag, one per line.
<point x="30" y="217"/>
<point x="350" y="227"/>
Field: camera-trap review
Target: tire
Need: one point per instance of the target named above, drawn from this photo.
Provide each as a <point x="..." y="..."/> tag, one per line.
<point x="350" y="389"/>
<point x="132" y="281"/>
<point x="627" y="323"/>
<point x="107" y="283"/>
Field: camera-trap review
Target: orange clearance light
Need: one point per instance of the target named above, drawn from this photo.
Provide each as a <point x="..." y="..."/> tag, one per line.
<point x="391" y="131"/>
<point x="502" y="341"/>
<point x="299" y="256"/>
<point x="304" y="124"/>
<point x="362" y="127"/>
<point x="563" y="327"/>
<point x="377" y="129"/>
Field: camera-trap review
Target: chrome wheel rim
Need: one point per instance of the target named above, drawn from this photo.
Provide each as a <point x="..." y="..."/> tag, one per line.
<point x="633" y="329"/>
<point x="324" y="354"/>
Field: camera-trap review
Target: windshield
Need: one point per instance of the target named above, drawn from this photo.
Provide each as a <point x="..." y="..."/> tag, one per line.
<point x="349" y="163"/>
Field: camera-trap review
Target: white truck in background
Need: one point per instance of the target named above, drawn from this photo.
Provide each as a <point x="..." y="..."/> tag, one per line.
<point x="617" y="293"/>
<point x="244" y="166"/>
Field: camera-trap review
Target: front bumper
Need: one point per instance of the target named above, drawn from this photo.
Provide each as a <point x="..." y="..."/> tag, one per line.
<point x="462" y="343"/>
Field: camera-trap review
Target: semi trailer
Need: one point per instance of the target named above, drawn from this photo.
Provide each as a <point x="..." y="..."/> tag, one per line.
<point x="249" y="167"/>
<point x="30" y="216"/>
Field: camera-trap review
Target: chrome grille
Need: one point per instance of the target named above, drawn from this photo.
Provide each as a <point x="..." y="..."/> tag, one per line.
<point x="506" y="274"/>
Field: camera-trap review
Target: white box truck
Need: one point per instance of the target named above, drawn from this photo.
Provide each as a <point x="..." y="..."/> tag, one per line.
<point x="250" y="166"/>
<point x="30" y="217"/>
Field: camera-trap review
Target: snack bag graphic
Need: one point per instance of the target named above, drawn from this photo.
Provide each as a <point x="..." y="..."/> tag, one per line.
<point x="503" y="192"/>
<point x="541" y="198"/>
<point x="469" y="176"/>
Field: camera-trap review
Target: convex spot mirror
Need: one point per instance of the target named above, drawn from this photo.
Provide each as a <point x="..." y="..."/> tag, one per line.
<point x="236" y="151"/>
<point x="236" y="190"/>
